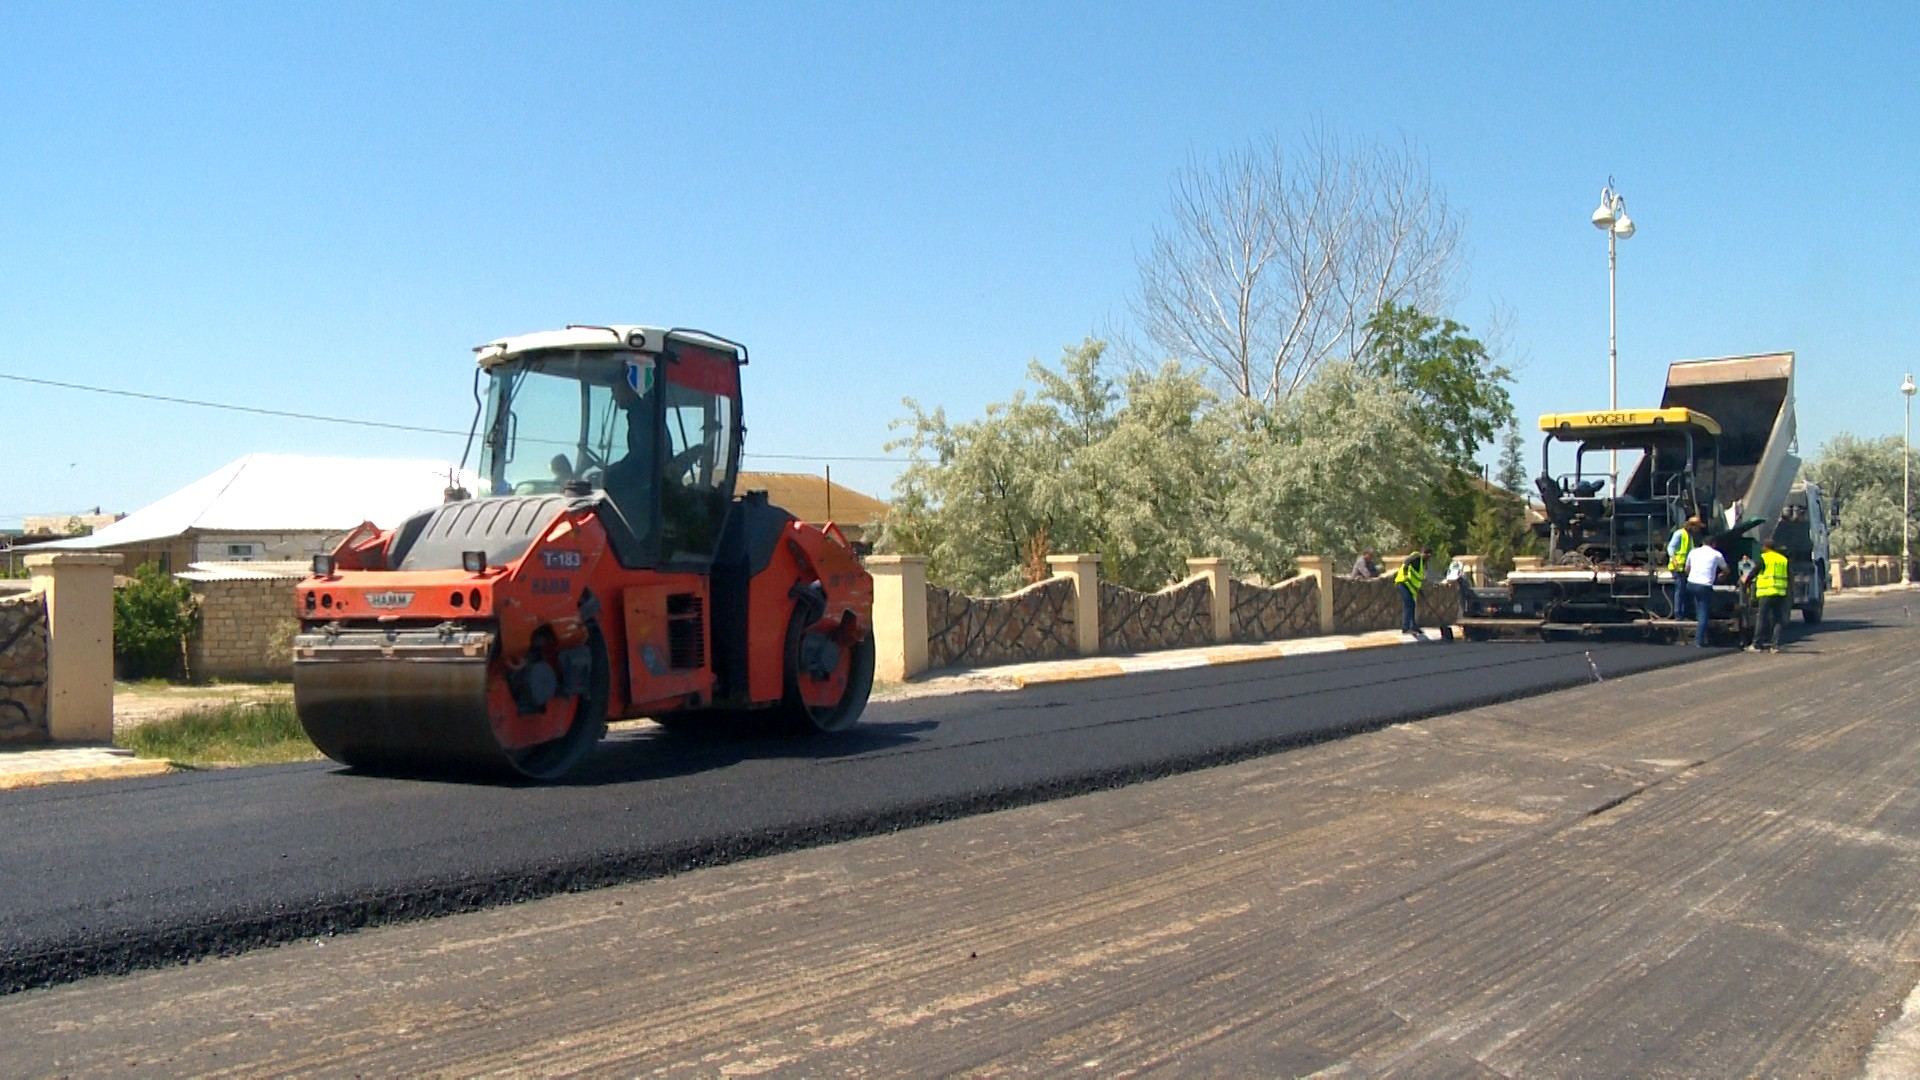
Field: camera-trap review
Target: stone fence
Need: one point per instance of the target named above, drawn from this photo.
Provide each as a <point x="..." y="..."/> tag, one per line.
<point x="1863" y="571"/>
<point x="56" y="651"/>
<point x="919" y="626"/>
<point x="23" y="668"/>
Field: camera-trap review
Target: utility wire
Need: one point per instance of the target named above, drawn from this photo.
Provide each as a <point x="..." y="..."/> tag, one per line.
<point x="317" y="418"/>
<point x="233" y="408"/>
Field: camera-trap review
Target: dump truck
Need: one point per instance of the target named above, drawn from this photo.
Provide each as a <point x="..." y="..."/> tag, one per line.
<point x="1720" y="447"/>
<point x="605" y="570"/>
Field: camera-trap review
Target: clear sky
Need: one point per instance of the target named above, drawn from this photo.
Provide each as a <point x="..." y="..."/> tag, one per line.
<point x="322" y="207"/>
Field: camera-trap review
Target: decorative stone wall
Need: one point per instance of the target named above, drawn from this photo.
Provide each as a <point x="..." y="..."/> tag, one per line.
<point x="1035" y="623"/>
<point x="1439" y="604"/>
<point x="23" y="668"/>
<point x="1864" y="571"/>
<point x="1271" y="612"/>
<point x="244" y="630"/>
<point x="1173" y="618"/>
<point x="1359" y="606"/>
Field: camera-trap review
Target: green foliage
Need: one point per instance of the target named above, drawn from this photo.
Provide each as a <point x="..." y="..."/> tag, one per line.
<point x="1084" y="464"/>
<point x="1861" y="481"/>
<point x="76" y="527"/>
<point x="230" y="734"/>
<point x="1337" y="468"/>
<point x="1512" y="476"/>
<point x="151" y="618"/>
<point x="1462" y="396"/>
<point x="1153" y="469"/>
<point x="1499" y="530"/>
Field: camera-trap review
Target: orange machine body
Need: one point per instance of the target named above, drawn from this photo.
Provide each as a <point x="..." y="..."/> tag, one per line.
<point x="658" y="626"/>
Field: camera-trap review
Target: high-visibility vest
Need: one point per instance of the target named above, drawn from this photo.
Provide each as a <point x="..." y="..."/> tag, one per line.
<point x="1679" y="561"/>
<point x="1773" y="578"/>
<point x="1412" y="573"/>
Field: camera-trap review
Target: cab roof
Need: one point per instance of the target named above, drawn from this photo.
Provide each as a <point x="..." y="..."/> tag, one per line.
<point x="1617" y="421"/>
<point x="624" y="336"/>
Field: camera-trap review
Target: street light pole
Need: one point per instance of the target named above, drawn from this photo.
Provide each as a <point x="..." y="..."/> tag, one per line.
<point x="1611" y="216"/>
<point x="1906" y="482"/>
<point x="1613" y="346"/>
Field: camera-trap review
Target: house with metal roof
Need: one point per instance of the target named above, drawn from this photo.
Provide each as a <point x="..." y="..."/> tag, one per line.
<point x="269" y="507"/>
<point x="286" y="508"/>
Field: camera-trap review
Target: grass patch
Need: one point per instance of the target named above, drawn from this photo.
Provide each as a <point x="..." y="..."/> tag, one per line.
<point x="237" y="733"/>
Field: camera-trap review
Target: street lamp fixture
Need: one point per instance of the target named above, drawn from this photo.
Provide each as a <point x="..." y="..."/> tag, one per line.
<point x="1906" y="483"/>
<point x="1611" y="218"/>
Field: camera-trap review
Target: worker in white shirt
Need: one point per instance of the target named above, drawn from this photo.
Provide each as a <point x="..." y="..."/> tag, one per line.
<point x="1705" y="567"/>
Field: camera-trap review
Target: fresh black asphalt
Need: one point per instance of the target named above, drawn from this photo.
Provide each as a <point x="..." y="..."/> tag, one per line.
<point x="105" y="877"/>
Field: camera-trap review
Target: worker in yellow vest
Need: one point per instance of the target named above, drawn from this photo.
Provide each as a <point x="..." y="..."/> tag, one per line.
<point x="1407" y="581"/>
<point x="1678" y="548"/>
<point x="1773" y="595"/>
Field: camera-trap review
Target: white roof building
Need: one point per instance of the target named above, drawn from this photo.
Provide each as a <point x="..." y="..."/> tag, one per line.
<point x="271" y="507"/>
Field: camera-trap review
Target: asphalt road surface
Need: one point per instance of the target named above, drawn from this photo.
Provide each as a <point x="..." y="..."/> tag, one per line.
<point x="1708" y="870"/>
<point x="109" y="877"/>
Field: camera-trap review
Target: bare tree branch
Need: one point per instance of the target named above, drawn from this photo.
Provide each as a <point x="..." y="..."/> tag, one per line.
<point x="1273" y="259"/>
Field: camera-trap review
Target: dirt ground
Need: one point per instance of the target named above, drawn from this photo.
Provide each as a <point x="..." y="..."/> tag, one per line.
<point x="138" y="703"/>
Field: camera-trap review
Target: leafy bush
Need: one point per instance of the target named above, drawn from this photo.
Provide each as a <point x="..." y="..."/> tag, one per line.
<point x="151" y="618"/>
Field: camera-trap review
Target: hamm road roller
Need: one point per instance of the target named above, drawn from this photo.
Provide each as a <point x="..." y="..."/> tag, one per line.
<point x="605" y="570"/>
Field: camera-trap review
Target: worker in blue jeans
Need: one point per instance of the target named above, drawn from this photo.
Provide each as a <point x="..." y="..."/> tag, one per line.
<point x="1407" y="581"/>
<point x="1679" y="546"/>
<point x="1705" y="566"/>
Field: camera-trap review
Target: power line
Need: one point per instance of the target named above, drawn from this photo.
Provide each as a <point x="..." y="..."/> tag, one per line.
<point x="318" y="418"/>
<point x="233" y="408"/>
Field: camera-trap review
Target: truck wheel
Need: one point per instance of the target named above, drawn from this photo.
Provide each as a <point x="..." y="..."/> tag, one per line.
<point x="1816" y="608"/>
<point x="827" y="681"/>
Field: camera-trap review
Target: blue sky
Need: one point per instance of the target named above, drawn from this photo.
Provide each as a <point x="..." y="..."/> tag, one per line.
<point x="323" y="207"/>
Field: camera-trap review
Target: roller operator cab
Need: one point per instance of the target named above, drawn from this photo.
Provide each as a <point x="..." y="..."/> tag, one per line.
<point x="606" y="570"/>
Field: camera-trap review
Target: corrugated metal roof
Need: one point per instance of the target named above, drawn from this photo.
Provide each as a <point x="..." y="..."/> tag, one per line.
<point x="282" y="493"/>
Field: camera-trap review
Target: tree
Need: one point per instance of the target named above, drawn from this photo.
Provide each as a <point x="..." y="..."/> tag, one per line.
<point x="1861" y="481"/>
<point x="1513" y="467"/>
<point x="1275" y="258"/>
<point x="1156" y="468"/>
<point x="1085" y="464"/>
<point x="1460" y="403"/>
<point x="1336" y="469"/>
<point x="1462" y="395"/>
<point x="76" y="527"/>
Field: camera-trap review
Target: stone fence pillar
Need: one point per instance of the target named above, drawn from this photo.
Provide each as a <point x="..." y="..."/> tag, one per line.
<point x="79" y="590"/>
<point x="899" y="615"/>
<point x="1320" y="567"/>
<point x="1526" y="562"/>
<point x="1085" y="572"/>
<point x="1472" y="564"/>
<point x="1220" y="580"/>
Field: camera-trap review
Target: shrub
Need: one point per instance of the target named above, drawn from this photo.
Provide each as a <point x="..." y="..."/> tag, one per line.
<point x="151" y="618"/>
